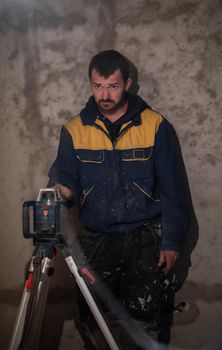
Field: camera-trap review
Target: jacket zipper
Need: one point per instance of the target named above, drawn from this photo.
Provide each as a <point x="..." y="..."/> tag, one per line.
<point x="123" y="132"/>
<point x="115" y="142"/>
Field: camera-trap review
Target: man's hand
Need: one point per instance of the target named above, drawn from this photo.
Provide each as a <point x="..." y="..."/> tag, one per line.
<point x="64" y="192"/>
<point x="167" y="259"/>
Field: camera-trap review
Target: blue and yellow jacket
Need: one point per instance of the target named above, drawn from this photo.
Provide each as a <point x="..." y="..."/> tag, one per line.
<point x="123" y="184"/>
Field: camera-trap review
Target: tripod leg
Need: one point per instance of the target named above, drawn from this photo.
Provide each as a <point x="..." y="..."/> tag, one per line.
<point x="20" y="319"/>
<point x="28" y="323"/>
<point x="32" y="328"/>
<point x="43" y="288"/>
<point x="91" y="302"/>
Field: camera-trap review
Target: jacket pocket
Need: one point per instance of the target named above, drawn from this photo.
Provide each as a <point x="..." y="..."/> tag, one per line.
<point x="140" y="200"/>
<point x="93" y="201"/>
<point x="90" y="168"/>
<point x="89" y="156"/>
<point x="137" y="163"/>
<point x="85" y="194"/>
<point x="145" y="191"/>
<point x="138" y="154"/>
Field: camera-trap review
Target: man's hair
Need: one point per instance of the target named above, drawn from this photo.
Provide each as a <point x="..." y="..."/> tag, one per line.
<point x="107" y="62"/>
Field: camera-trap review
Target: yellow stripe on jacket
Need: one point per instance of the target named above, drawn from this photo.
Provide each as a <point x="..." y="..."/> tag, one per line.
<point x="89" y="137"/>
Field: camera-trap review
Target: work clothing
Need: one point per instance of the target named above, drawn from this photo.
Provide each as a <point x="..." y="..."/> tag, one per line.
<point x="124" y="266"/>
<point x="126" y="174"/>
<point x="127" y="265"/>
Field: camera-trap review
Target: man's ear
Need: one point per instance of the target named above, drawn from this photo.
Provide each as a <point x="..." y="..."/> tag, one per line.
<point x="128" y="84"/>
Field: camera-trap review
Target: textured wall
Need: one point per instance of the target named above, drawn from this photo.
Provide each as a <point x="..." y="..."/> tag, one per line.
<point x="45" y="47"/>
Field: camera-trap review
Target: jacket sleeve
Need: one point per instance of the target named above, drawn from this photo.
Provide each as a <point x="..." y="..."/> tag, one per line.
<point x="64" y="168"/>
<point x="171" y="187"/>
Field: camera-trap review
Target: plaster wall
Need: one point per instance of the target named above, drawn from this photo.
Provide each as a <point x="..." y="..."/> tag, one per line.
<point x="45" y="48"/>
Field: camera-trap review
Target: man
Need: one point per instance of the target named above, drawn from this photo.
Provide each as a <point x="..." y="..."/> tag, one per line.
<point x="119" y="160"/>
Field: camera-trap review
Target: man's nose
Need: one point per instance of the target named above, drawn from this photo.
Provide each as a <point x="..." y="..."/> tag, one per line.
<point x="105" y="93"/>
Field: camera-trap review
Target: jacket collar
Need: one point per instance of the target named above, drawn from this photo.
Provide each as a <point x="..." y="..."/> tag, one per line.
<point x="136" y="105"/>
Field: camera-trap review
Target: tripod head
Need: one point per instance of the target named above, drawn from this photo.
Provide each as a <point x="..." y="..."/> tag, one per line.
<point x="45" y="217"/>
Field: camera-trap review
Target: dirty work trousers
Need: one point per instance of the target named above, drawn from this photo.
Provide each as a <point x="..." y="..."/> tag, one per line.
<point x="125" y="267"/>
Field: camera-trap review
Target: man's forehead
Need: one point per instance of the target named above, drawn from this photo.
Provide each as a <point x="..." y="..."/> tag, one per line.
<point x="114" y="77"/>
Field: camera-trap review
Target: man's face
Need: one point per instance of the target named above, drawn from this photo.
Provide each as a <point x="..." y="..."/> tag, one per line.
<point x="109" y="92"/>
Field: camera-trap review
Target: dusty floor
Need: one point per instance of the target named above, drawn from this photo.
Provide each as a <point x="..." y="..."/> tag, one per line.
<point x="59" y="331"/>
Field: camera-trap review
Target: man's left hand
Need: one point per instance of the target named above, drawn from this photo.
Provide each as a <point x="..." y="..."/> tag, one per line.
<point x="167" y="259"/>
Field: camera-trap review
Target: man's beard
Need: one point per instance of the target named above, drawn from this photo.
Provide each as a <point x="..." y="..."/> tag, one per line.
<point x="106" y="105"/>
<point x="109" y="106"/>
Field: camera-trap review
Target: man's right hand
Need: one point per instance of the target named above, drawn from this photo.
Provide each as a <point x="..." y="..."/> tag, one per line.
<point x="64" y="192"/>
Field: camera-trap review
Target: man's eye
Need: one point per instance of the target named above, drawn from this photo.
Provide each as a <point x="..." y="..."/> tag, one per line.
<point x="114" y="86"/>
<point x="97" y="87"/>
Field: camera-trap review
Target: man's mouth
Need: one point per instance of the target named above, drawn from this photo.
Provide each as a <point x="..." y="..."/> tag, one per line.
<point x="106" y="101"/>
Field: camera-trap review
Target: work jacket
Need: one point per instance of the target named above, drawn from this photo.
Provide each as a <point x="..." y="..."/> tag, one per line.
<point x="123" y="184"/>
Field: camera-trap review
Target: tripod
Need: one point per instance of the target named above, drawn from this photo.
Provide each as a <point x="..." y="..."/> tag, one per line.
<point x="47" y="239"/>
<point x="30" y="315"/>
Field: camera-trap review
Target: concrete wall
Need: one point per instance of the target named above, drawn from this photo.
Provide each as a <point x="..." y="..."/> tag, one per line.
<point x="45" y="47"/>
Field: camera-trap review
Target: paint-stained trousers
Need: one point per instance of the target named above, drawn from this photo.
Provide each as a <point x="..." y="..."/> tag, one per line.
<point x="126" y="264"/>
